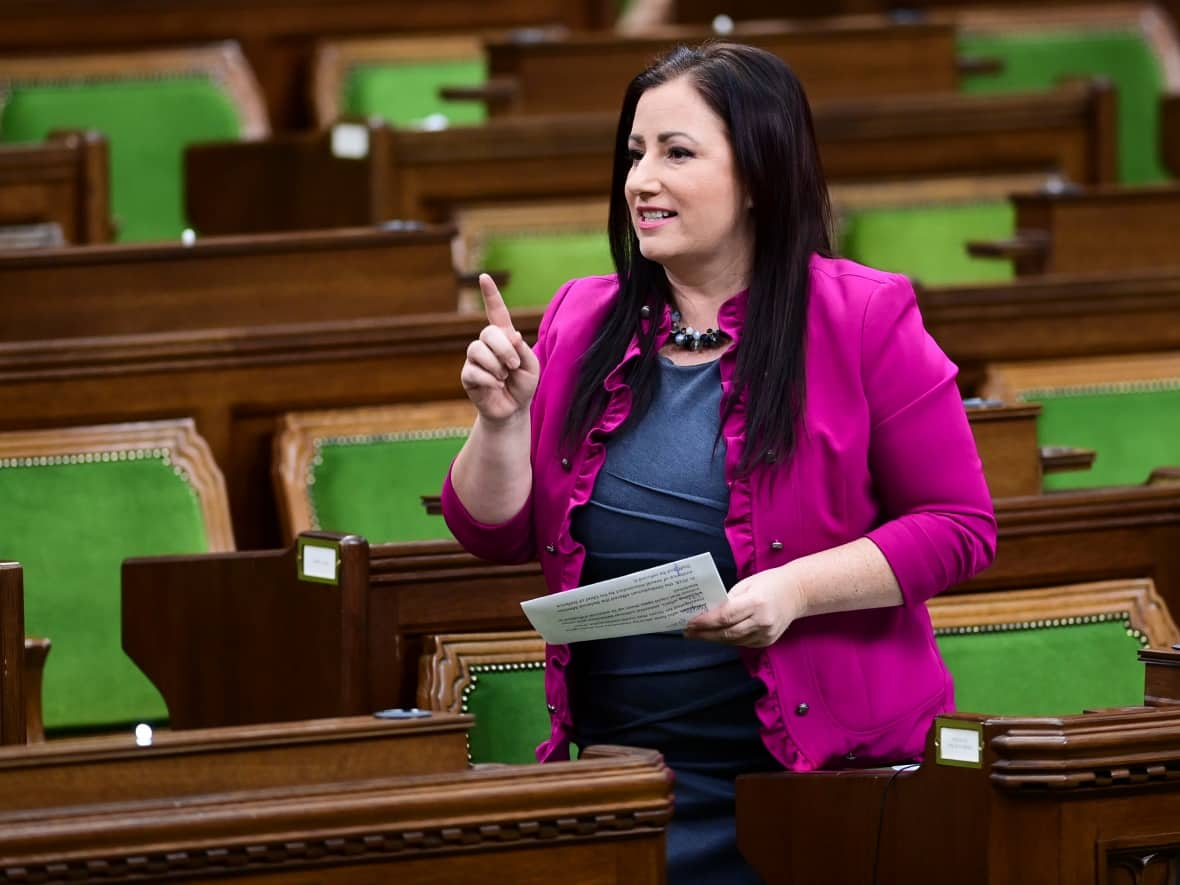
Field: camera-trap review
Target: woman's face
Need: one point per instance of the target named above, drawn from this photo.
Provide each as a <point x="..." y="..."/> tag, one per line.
<point x="689" y="209"/>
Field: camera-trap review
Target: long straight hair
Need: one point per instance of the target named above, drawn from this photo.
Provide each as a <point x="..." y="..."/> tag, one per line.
<point x="768" y="121"/>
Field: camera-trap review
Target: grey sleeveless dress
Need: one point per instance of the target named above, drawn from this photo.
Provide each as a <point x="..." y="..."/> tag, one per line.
<point x="660" y="496"/>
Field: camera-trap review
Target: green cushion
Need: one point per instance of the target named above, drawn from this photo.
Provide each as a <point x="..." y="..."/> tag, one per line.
<point x="511" y="719"/>
<point x="71" y="523"/>
<point x="406" y="93"/>
<point x="1038" y="61"/>
<point x="147" y="122"/>
<point x="346" y="496"/>
<point x="1134" y="428"/>
<point x="1046" y="671"/>
<point x="928" y="243"/>
<point x="540" y="263"/>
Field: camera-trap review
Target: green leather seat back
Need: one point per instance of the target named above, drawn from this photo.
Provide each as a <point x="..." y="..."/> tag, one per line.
<point x="372" y="485"/>
<point x="406" y="93"/>
<point x="71" y="520"/>
<point x="1043" y="668"/>
<point x="928" y="242"/>
<point x="148" y="122"/>
<point x="1037" y="61"/>
<point x="508" y="702"/>
<point x="541" y="262"/>
<point x="1134" y="428"/>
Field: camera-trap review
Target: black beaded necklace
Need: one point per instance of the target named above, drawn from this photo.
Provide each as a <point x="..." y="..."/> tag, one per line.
<point x="688" y="338"/>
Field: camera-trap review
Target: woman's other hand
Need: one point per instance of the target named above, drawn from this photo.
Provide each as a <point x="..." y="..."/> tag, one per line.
<point x="759" y="610"/>
<point x="501" y="372"/>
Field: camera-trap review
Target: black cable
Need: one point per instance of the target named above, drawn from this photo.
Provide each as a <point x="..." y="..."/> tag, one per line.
<point x="881" y="814"/>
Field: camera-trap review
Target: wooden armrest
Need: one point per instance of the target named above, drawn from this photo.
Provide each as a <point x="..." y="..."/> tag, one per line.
<point x="36" y="651"/>
<point x="1164" y="476"/>
<point x="1062" y="459"/>
<point x="1026" y="244"/>
<point x="497" y="90"/>
<point x="979" y="64"/>
<point x="1170" y="132"/>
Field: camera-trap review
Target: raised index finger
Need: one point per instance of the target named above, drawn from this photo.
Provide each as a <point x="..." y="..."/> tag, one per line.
<point x="493" y="303"/>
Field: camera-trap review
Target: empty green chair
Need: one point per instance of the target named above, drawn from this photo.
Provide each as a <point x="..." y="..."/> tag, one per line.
<point x="149" y="105"/>
<point x="1133" y="46"/>
<point x="499" y="678"/>
<point x="540" y="246"/>
<point x="74" y="503"/>
<point x="365" y="471"/>
<point x="398" y="79"/>
<point x="1050" y="651"/>
<point x="1127" y="410"/>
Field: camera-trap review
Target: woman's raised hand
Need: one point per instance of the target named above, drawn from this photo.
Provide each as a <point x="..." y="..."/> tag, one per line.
<point x="501" y="371"/>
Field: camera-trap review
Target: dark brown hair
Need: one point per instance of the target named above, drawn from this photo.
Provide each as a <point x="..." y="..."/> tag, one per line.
<point x="768" y="120"/>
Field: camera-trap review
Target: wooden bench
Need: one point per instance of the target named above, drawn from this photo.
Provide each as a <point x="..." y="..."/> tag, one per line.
<point x="63" y="181"/>
<point x="369" y="173"/>
<point x="1052" y="317"/>
<point x="278" y="36"/>
<point x="225" y="283"/>
<point x="338" y="800"/>
<point x="1091" y="230"/>
<point x="370" y="627"/>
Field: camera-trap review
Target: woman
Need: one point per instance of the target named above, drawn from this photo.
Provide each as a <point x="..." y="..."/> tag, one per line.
<point x="811" y="438"/>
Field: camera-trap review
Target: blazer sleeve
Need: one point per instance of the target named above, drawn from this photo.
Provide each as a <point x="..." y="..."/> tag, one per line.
<point x="512" y="541"/>
<point x="939" y="524"/>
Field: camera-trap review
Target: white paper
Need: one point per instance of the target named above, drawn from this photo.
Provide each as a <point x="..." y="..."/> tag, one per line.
<point x="650" y="601"/>
<point x="319" y="562"/>
<point x="958" y="744"/>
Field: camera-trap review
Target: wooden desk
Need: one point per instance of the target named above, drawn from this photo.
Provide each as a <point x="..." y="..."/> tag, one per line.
<point x="1091" y="230"/>
<point x="64" y="180"/>
<point x="359" y="800"/>
<point x="428" y="175"/>
<point x="278" y="36"/>
<point x="877" y="57"/>
<point x="368" y="629"/>
<point x="225" y="282"/>
<point x="12" y="654"/>
<point x="1067" y="800"/>
<point x="1051" y="318"/>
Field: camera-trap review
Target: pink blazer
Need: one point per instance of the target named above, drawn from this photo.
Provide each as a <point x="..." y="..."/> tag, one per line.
<point x="885" y="452"/>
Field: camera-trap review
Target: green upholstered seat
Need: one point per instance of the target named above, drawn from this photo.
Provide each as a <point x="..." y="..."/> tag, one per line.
<point x="71" y="511"/>
<point x="148" y="121"/>
<point x="508" y="702"/>
<point x="373" y="484"/>
<point x="1037" y="669"/>
<point x="928" y="242"/>
<point x="406" y="92"/>
<point x="1038" y="59"/>
<point x="539" y="262"/>
<point x="365" y="471"/>
<point x="1052" y="650"/>
<point x="1133" y="428"/>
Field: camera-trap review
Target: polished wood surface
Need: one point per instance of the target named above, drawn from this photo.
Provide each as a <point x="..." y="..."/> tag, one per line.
<point x="877" y="58"/>
<point x="1051" y="318"/>
<point x="1006" y="437"/>
<point x="428" y="176"/>
<point x="1091" y="231"/>
<point x="278" y="37"/>
<point x="359" y="800"/>
<point x="225" y="283"/>
<point x="369" y="629"/>
<point x="1054" y="801"/>
<point x="64" y="180"/>
<point x="12" y="654"/>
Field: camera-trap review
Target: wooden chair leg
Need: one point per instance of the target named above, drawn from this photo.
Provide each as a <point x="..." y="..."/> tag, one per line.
<point x="36" y="650"/>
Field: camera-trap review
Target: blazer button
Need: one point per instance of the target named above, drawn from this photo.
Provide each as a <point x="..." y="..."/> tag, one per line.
<point x="565" y="463"/>
<point x="551" y="548"/>
<point x="802" y="709"/>
<point x="551" y="708"/>
<point x="776" y="545"/>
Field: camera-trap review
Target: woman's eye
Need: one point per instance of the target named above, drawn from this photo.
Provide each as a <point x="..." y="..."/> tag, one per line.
<point x="634" y="156"/>
<point x="679" y="153"/>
